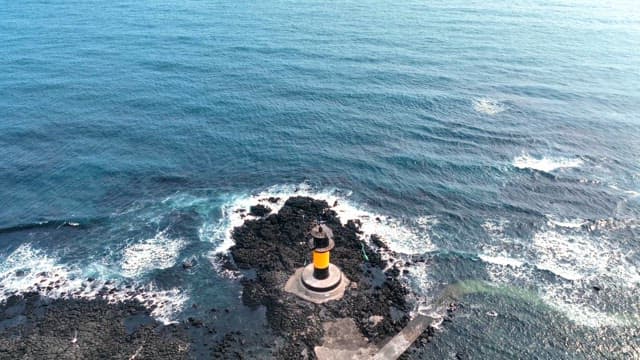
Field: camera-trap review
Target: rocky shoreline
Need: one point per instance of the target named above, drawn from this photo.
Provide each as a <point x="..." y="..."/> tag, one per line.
<point x="275" y="245"/>
<point x="268" y="248"/>
<point x="36" y="327"/>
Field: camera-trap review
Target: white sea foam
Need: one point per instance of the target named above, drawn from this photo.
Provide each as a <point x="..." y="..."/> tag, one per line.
<point x="567" y="299"/>
<point x="612" y="224"/>
<point x="501" y="260"/>
<point x="423" y="282"/>
<point x="631" y="193"/>
<point x="28" y="269"/>
<point x="546" y="164"/>
<point x="488" y="106"/>
<point x="574" y="255"/>
<point x="566" y="296"/>
<point x="495" y="228"/>
<point x="409" y="236"/>
<point x="165" y="304"/>
<point x="159" y="252"/>
<point x="499" y="253"/>
<point x="567" y="223"/>
<point x="566" y="250"/>
<point x="23" y="269"/>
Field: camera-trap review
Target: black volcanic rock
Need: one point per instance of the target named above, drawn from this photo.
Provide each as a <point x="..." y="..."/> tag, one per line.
<point x="275" y="246"/>
<point x="84" y="329"/>
<point x="259" y="210"/>
<point x="269" y="248"/>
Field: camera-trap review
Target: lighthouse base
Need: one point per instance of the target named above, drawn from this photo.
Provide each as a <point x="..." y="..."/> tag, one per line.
<point x="305" y="286"/>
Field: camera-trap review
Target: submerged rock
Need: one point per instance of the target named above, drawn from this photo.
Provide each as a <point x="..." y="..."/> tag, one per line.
<point x="188" y="264"/>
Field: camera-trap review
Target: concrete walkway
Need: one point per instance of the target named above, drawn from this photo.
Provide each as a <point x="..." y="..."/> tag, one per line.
<point x="343" y="341"/>
<point x="401" y="342"/>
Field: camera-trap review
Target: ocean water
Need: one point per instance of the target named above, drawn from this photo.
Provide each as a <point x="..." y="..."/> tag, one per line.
<point x="499" y="139"/>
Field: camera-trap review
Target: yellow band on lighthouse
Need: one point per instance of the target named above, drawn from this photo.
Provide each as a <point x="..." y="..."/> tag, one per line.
<point x="321" y="260"/>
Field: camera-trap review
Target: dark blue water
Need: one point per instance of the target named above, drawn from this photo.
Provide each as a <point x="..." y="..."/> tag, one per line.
<point x="498" y="138"/>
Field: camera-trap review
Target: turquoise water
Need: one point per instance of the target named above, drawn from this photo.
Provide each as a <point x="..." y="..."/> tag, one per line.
<point x="498" y="138"/>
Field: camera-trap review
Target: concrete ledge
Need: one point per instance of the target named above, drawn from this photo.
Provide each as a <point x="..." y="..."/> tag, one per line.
<point x="401" y="342"/>
<point x="296" y="286"/>
<point x="343" y="341"/>
<point x="321" y="285"/>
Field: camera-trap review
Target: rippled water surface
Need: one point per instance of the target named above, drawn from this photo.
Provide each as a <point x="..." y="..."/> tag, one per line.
<point x="500" y="139"/>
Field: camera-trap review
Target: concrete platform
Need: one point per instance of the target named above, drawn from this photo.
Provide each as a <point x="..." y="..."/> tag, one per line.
<point x="343" y="341"/>
<point x="304" y="285"/>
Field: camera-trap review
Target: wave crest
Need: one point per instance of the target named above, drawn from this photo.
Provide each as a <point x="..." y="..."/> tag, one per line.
<point x="28" y="269"/>
<point x="545" y="164"/>
<point x="409" y="236"/>
<point x="159" y="252"/>
<point x="488" y="106"/>
<point x="577" y="261"/>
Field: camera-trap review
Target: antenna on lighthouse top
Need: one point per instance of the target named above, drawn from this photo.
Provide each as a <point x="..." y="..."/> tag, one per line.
<point x="321" y="231"/>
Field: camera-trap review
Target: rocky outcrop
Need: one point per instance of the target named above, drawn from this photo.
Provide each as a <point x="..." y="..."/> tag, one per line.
<point x="34" y="327"/>
<point x="268" y="249"/>
<point x="276" y="245"/>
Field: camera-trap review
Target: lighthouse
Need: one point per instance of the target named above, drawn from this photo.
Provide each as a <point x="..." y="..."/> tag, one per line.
<point x="320" y="281"/>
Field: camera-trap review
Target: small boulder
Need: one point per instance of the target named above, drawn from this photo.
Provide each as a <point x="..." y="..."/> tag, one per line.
<point x="188" y="264"/>
<point x="375" y="319"/>
<point x="259" y="210"/>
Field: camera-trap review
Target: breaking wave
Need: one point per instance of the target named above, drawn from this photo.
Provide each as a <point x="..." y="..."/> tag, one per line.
<point x="409" y="236"/>
<point x="545" y="164"/>
<point x="28" y="269"/>
<point x="564" y="249"/>
<point x="488" y="106"/>
<point x="159" y="252"/>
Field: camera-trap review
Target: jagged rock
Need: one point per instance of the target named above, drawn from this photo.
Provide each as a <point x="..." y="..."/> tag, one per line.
<point x="85" y="329"/>
<point x="259" y="210"/>
<point x="276" y="245"/>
